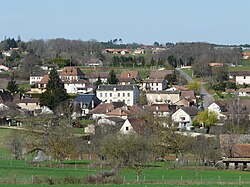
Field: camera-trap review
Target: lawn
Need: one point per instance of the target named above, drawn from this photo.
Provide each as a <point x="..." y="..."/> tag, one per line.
<point x="188" y="71"/>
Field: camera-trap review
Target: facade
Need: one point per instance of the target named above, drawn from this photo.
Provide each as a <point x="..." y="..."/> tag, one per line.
<point x="30" y="104"/>
<point x="129" y="77"/>
<point x="155" y="84"/>
<point x="219" y="108"/>
<point x="159" y="110"/>
<point x="94" y="62"/>
<point x="136" y="125"/>
<point x="129" y="94"/>
<point x="36" y="77"/>
<point x="71" y="73"/>
<point x="75" y="86"/>
<point x="163" y="96"/>
<point x="183" y="117"/>
<point x="93" y="76"/>
<point x="241" y="77"/>
<point x="244" y="92"/>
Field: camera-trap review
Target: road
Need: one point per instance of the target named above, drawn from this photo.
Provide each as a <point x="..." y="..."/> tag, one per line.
<point x="207" y="98"/>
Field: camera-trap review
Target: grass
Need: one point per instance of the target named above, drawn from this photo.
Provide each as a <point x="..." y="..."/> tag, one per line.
<point x="24" y="86"/>
<point x="188" y="71"/>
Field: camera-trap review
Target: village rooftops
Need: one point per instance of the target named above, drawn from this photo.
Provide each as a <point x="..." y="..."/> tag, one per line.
<point x="38" y="74"/>
<point x="115" y="87"/>
<point x="154" y="80"/>
<point x="192" y="111"/>
<point x="130" y="74"/>
<point x="71" y="71"/>
<point x="97" y="74"/>
<point x="240" y="73"/>
<point x="163" y="92"/>
<point x="160" y="73"/>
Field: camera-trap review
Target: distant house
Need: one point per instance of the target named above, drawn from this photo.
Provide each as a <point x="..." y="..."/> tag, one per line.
<point x="118" y="51"/>
<point x="156" y="84"/>
<point x="160" y="73"/>
<point x="188" y="95"/>
<point x="241" y="77"/>
<point x="93" y="76"/>
<point x="103" y="108"/>
<point x="48" y="67"/>
<point x="3" y="68"/>
<point x="126" y="112"/>
<point x="87" y="102"/>
<point x="184" y="116"/>
<point x="94" y="62"/>
<point x="139" y="51"/>
<point x="244" y="91"/>
<point x="163" y="96"/>
<point x="76" y="86"/>
<point x="129" y="77"/>
<point x="71" y="73"/>
<point x="30" y="104"/>
<point x="246" y="55"/>
<point x="129" y="94"/>
<point x="220" y="108"/>
<point x="159" y="110"/>
<point x="186" y="102"/>
<point x="136" y="125"/>
<point x="36" y="77"/>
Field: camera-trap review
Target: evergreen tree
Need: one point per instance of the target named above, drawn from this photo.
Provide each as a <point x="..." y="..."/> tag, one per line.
<point x="99" y="81"/>
<point x="112" y="78"/>
<point x="12" y="86"/>
<point x="55" y="92"/>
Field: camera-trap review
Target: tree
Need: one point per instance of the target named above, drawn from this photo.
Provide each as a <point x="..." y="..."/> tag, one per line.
<point x="12" y="86"/>
<point x="207" y="118"/>
<point x="194" y="86"/>
<point x="112" y="78"/>
<point x="55" y="92"/>
<point x="143" y="98"/>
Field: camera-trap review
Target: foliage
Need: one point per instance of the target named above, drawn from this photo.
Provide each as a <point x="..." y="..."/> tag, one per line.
<point x="55" y="92"/>
<point x="112" y="78"/>
<point x="143" y="98"/>
<point x="207" y="118"/>
<point x="194" y="86"/>
<point x="12" y="86"/>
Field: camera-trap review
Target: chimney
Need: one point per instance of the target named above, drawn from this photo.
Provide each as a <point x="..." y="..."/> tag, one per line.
<point x="114" y="89"/>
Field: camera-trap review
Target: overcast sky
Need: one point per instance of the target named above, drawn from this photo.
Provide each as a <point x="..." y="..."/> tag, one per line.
<point x="141" y="21"/>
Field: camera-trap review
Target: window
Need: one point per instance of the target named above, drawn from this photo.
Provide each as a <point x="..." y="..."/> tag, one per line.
<point x="244" y="77"/>
<point x="123" y="94"/>
<point x="182" y="118"/>
<point x="118" y="94"/>
<point x="110" y="94"/>
<point x="128" y="101"/>
<point x="126" y="128"/>
<point x="156" y="84"/>
<point x="100" y="94"/>
<point x="106" y="95"/>
<point x="128" y="94"/>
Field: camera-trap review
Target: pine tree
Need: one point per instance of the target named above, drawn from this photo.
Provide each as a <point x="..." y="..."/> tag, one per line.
<point x="112" y="78"/>
<point x="12" y="86"/>
<point x="55" y="92"/>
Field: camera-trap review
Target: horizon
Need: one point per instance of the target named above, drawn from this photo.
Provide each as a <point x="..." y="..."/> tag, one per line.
<point x="144" y="22"/>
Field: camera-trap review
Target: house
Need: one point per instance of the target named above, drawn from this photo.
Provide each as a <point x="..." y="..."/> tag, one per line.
<point x="95" y="62"/>
<point x="49" y="67"/>
<point x="160" y="73"/>
<point x="184" y="116"/>
<point x="129" y="94"/>
<point x="76" y="86"/>
<point x="219" y="108"/>
<point x="126" y="112"/>
<point x="103" y="108"/>
<point x="29" y="104"/>
<point x="156" y="84"/>
<point x="159" y="110"/>
<point x="71" y="73"/>
<point x="244" y="91"/>
<point x="118" y="51"/>
<point x="241" y="77"/>
<point x="139" y="51"/>
<point x="186" y="102"/>
<point x="129" y="77"/>
<point x="86" y="102"/>
<point x="135" y="125"/>
<point x="246" y="55"/>
<point x="163" y="96"/>
<point x="36" y="77"/>
<point x="3" y="68"/>
<point x="93" y="76"/>
<point x="188" y="95"/>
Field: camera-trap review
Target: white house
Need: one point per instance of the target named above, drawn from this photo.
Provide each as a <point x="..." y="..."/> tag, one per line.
<point x="241" y="77"/>
<point x="129" y="94"/>
<point x="244" y="91"/>
<point x="36" y="77"/>
<point x="218" y="107"/>
<point x="93" y="76"/>
<point x="3" y="68"/>
<point x="94" y="62"/>
<point x="135" y="125"/>
<point x="71" y="73"/>
<point x="76" y="86"/>
<point x="156" y="84"/>
<point x="30" y="104"/>
<point x="184" y="116"/>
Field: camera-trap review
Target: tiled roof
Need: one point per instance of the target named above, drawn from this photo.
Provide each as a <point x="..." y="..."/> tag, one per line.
<point x="29" y="100"/>
<point x="45" y="79"/>
<point x="118" y="87"/>
<point x="192" y="111"/>
<point x="71" y="71"/>
<point x="240" y="73"/>
<point x="187" y="95"/>
<point x="80" y="81"/>
<point x="244" y="90"/>
<point x="154" y="80"/>
<point x="87" y="99"/>
<point x="241" y="150"/>
<point x="160" y="73"/>
<point x="92" y="75"/>
<point x="104" y="108"/>
<point x="38" y="74"/>
<point x="138" y="124"/>
<point x="159" y="108"/>
<point x="130" y="74"/>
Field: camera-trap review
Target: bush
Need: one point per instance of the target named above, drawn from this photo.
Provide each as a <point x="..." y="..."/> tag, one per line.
<point x="71" y="180"/>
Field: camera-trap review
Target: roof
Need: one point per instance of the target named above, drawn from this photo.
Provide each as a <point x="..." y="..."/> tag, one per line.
<point x="160" y="73"/>
<point x="191" y="111"/>
<point x="184" y="102"/>
<point x="116" y="87"/>
<point x="116" y="119"/>
<point x="97" y="74"/>
<point x="187" y="95"/>
<point x="240" y="73"/>
<point x="71" y="71"/>
<point x="130" y="74"/>
<point x="154" y="80"/>
<point x="138" y="124"/>
<point x="241" y="150"/>
<point x="220" y="103"/>
<point x="45" y="79"/>
<point x="38" y="74"/>
<point x="104" y="108"/>
<point x="162" y="92"/>
<point x="94" y="61"/>
<point x="80" y="81"/>
<point x="87" y="99"/>
<point x="244" y="89"/>
<point x="29" y="100"/>
<point x="181" y="88"/>
<point x="159" y="108"/>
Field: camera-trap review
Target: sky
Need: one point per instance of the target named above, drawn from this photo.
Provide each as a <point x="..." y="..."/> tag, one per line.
<point x="140" y="21"/>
